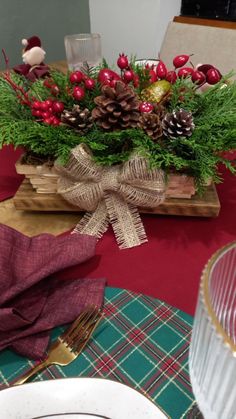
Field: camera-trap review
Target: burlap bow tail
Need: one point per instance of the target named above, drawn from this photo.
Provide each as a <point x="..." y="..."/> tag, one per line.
<point x="111" y="194"/>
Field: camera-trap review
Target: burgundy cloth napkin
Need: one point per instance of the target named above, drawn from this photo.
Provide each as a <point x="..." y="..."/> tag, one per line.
<point x="32" y="302"/>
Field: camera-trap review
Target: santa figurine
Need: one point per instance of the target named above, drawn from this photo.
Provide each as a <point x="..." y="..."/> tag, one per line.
<point x="33" y="56"/>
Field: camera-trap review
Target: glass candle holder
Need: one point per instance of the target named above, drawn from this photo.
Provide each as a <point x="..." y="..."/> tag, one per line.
<point x="212" y="357"/>
<point x="83" y="49"/>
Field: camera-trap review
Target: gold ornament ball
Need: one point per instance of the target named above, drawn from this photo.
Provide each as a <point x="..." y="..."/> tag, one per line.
<point x="156" y="91"/>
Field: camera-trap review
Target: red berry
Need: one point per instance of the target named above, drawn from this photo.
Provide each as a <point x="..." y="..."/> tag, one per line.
<point x="78" y="93"/>
<point x="89" y="84"/>
<point x="106" y="75"/>
<point x="37" y="113"/>
<point x="48" y="121"/>
<point x="128" y="75"/>
<point x="180" y="60"/>
<point x="136" y="80"/>
<point x="185" y="72"/>
<point x="213" y="76"/>
<point x="55" y="121"/>
<point x="198" y="77"/>
<point x="171" y="76"/>
<point x="204" y="68"/>
<point x="49" y="103"/>
<point x="161" y="70"/>
<point x="76" y="77"/>
<point x="146" y="107"/>
<point x="58" y="107"/>
<point x="54" y="89"/>
<point x="36" y="104"/>
<point x="122" y="61"/>
<point x="46" y="115"/>
<point x="43" y="106"/>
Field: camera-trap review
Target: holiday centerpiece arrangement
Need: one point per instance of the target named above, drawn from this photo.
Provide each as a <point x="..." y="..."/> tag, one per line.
<point x="110" y="140"/>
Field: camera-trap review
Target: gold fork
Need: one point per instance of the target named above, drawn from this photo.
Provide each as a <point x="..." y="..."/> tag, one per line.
<point x="70" y="344"/>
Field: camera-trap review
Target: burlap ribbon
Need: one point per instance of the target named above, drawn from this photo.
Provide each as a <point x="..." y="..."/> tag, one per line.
<point x="111" y="194"/>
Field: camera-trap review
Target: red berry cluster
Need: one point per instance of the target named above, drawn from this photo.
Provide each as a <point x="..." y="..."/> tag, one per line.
<point x="48" y="111"/>
<point x="81" y="83"/>
<point x="205" y="73"/>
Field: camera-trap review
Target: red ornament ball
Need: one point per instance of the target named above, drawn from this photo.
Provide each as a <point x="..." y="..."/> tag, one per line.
<point x="78" y="93"/>
<point x="58" y="107"/>
<point x="76" y="77"/>
<point x="122" y="61"/>
<point x="146" y="107"/>
<point x="128" y="76"/>
<point x="89" y="84"/>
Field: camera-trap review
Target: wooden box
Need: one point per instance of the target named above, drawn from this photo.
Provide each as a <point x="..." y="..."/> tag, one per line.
<point x="38" y="192"/>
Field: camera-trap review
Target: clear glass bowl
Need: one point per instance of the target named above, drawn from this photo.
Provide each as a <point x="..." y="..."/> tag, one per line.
<point x="212" y="357"/>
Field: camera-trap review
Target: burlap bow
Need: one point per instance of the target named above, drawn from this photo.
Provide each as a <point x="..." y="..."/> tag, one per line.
<point x="111" y="194"/>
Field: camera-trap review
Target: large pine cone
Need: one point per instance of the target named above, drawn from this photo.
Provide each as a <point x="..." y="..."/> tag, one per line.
<point x="79" y="119"/>
<point x="151" y="125"/>
<point x="117" y="107"/>
<point x="178" y="124"/>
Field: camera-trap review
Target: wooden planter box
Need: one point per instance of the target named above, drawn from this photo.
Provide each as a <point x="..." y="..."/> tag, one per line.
<point x="38" y="192"/>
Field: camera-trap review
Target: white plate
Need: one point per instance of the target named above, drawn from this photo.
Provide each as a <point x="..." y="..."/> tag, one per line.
<point x="76" y="398"/>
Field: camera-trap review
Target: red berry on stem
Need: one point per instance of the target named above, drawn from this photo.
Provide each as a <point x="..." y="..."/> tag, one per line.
<point x="58" y="107"/>
<point x="78" y="93"/>
<point x="128" y="76"/>
<point x="122" y="61"/>
<point x="146" y="107"/>
<point x="136" y="80"/>
<point x="171" y="76"/>
<point x="49" y="103"/>
<point x="198" y="77"/>
<point x="46" y="115"/>
<point x="105" y="75"/>
<point x="36" y="104"/>
<point x="180" y="60"/>
<point x="204" y="68"/>
<point x="43" y="106"/>
<point x="55" y="121"/>
<point x="48" y="121"/>
<point x="89" y="84"/>
<point x="37" y="113"/>
<point x="213" y="76"/>
<point x="76" y="77"/>
<point x="161" y="70"/>
<point x="54" y="89"/>
<point x="185" y="72"/>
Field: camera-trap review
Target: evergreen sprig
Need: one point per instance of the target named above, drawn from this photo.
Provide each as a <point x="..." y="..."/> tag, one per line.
<point x="198" y="155"/>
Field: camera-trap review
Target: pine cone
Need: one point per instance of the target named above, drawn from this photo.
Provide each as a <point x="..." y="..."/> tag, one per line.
<point x="178" y="124"/>
<point x="151" y="125"/>
<point x="117" y="107"/>
<point x="79" y="119"/>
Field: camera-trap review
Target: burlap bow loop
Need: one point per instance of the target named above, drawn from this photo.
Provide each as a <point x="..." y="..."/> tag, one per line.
<point x="111" y="193"/>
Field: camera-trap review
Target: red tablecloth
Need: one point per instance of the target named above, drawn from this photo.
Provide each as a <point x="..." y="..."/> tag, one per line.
<point x="169" y="266"/>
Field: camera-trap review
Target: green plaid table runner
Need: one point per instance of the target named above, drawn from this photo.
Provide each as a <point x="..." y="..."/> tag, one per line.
<point x="141" y="341"/>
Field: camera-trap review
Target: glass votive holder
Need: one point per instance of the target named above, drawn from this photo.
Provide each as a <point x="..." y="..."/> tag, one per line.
<point x="83" y="49"/>
<point x="212" y="356"/>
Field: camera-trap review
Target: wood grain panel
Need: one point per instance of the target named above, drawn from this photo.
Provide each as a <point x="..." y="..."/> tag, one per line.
<point x="207" y="205"/>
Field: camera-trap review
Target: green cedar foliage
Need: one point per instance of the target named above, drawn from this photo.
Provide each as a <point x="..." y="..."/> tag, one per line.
<point x="199" y="155"/>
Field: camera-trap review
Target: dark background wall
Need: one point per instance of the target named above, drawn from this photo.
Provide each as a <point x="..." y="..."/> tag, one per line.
<point x="51" y="20"/>
<point x="214" y="9"/>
